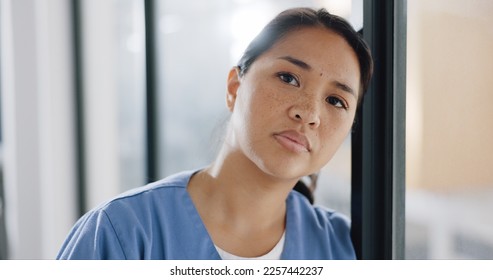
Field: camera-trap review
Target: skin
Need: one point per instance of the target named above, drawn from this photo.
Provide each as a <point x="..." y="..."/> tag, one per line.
<point x="290" y="113"/>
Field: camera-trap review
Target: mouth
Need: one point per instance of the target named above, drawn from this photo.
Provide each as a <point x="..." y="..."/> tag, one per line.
<point x="293" y="141"/>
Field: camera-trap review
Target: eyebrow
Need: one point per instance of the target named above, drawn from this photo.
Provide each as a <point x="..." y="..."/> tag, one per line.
<point x="344" y="87"/>
<point x="296" y="62"/>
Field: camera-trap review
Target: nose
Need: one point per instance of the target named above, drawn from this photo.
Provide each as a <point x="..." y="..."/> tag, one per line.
<point x="306" y="112"/>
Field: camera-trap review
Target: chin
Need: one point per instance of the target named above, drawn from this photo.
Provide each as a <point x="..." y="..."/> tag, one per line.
<point x="285" y="170"/>
<point x="285" y="166"/>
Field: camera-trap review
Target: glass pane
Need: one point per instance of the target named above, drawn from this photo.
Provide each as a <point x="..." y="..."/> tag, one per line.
<point x="199" y="41"/>
<point x="131" y="77"/>
<point x="449" y="130"/>
<point x="114" y="96"/>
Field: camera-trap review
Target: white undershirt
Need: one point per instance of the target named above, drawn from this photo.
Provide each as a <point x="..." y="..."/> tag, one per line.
<point x="274" y="254"/>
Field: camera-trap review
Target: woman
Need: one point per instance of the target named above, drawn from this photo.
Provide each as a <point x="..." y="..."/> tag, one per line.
<point x="293" y="98"/>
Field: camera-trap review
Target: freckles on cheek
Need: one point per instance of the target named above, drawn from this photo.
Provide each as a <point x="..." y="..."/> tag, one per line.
<point x="328" y="138"/>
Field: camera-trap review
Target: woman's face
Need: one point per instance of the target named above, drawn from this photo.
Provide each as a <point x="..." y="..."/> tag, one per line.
<point x="296" y="104"/>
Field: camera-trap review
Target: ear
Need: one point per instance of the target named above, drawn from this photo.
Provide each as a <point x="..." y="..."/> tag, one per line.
<point x="233" y="85"/>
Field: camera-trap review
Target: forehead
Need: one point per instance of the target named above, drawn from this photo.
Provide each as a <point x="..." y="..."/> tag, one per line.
<point x="317" y="43"/>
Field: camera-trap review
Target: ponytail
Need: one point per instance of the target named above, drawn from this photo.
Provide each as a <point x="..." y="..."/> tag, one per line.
<point x="307" y="188"/>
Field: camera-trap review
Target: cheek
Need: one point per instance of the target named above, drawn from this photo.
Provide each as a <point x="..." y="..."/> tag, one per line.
<point x="252" y="110"/>
<point x="264" y="102"/>
<point x="333" y="135"/>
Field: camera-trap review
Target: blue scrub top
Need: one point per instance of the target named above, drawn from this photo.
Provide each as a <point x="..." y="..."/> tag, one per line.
<point x="160" y="221"/>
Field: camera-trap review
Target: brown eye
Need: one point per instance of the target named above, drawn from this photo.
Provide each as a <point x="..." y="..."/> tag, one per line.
<point x="332" y="100"/>
<point x="289" y="79"/>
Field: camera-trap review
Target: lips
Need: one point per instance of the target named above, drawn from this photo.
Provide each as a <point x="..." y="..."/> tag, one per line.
<point x="293" y="141"/>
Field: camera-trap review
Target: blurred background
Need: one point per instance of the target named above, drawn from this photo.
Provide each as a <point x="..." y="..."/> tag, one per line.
<point x="449" y="130"/>
<point x="100" y="96"/>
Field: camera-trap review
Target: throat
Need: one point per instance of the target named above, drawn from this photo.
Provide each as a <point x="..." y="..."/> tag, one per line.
<point x="241" y="197"/>
<point x="240" y="221"/>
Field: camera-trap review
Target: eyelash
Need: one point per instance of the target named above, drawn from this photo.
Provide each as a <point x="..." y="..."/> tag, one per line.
<point x="283" y="76"/>
<point x="288" y="78"/>
<point x="335" y="100"/>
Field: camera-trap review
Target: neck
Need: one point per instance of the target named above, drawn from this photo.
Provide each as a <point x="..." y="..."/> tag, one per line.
<point x="242" y="207"/>
<point x="234" y="190"/>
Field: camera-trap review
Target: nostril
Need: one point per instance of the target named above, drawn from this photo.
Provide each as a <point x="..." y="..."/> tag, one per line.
<point x="298" y="116"/>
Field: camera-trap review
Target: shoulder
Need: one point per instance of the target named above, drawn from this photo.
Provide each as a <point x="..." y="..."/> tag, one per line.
<point x="159" y="191"/>
<point x="127" y="226"/>
<point x="326" y="233"/>
<point x="319" y="214"/>
<point x="178" y="181"/>
<point x="144" y="206"/>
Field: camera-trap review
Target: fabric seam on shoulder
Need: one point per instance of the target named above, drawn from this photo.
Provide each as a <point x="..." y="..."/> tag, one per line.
<point x="141" y="192"/>
<point x="116" y="233"/>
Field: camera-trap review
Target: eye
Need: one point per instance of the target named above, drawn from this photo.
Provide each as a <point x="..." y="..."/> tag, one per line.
<point x="337" y="102"/>
<point x="289" y="79"/>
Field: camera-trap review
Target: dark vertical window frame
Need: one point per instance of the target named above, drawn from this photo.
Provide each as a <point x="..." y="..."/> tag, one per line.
<point x="79" y="105"/>
<point x="152" y="169"/>
<point x="378" y="140"/>
<point x="399" y="130"/>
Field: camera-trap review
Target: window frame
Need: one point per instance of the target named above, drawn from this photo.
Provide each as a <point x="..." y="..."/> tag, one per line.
<point x="378" y="139"/>
<point x="79" y="107"/>
<point x="152" y="132"/>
